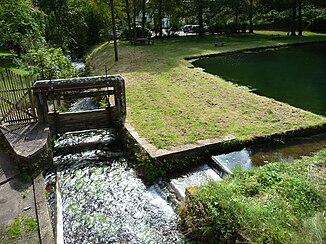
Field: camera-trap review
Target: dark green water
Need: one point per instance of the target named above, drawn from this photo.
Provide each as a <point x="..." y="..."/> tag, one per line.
<point x="295" y="75"/>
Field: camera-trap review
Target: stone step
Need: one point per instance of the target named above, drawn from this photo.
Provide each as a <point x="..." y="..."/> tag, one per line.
<point x="197" y="177"/>
<point x="28" y="142"/>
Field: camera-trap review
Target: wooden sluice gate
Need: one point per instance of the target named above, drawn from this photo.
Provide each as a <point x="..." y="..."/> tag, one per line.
<point x="49" y="94"/>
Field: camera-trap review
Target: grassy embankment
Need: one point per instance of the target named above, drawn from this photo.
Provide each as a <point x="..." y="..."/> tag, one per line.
<point x="276" y="203"/>
<point x="171" y="105"/>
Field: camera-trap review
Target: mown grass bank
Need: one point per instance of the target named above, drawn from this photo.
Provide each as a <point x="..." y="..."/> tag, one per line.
<point x="171" y="105"/>
<point x="276" y="203"/>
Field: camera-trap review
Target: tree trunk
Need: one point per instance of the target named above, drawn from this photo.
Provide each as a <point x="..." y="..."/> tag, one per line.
<point x="160" y="17"/>
<point x="294" y="17"/>
<point x="236" y="20"/>
<point x="128" y="19"/>
<point x="114" y="31"/>
<point x="300" y="17"/>
<point x="134" y="21"/>
<point x="143" y="19"/>
<point x="200" y="21"/>
<point x="251" y="27"/>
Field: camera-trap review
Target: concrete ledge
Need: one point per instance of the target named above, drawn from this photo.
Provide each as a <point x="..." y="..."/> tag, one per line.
<point x="28" y="143"/>
<point x="42" y="213"/>
<point x="206" y="147"/>
<point x="190" y="150"/>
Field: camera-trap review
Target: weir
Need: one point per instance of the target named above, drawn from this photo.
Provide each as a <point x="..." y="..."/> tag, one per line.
<point x="28" y="123"/>
<point x="51" y="94"/>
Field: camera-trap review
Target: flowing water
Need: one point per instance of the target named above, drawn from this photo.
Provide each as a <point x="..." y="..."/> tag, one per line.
<point x="259" y="155"/>
<point x="104" y="201"/>
<point x="79" y="65"/>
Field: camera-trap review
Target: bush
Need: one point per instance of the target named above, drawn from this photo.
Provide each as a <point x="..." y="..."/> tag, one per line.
<point x="49" y="63"/>
<point x="318" y="24"/>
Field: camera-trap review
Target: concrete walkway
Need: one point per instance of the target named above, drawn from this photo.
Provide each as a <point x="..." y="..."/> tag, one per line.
<point x="7" y="169"/>
<point x="17" y="204"/>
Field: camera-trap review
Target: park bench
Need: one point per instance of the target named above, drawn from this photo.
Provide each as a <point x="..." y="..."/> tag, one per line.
<point x="142" y="40"/>
<point x="218" y="42"/>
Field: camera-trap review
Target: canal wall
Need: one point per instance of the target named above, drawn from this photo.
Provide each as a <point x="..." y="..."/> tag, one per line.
<point x="153" y="163"/>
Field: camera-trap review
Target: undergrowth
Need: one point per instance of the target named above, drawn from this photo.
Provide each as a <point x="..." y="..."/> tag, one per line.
<point x="276" y="203"/>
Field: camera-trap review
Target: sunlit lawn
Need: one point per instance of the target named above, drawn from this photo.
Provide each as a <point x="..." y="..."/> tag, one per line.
<point x="7" y="62"/>
<point x="171" y="104"/>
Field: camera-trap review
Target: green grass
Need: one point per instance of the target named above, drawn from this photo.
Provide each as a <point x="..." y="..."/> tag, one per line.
<point x="19" y="231"/>
<point x="171" y="105"/>
<point x="7" y="61"/>
<point x="276" y="203"/>
<point x="31" y="224"/>
<point x="15" y="229"/>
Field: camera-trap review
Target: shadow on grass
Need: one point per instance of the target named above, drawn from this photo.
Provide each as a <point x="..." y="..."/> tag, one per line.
<point x="167" y="53"/>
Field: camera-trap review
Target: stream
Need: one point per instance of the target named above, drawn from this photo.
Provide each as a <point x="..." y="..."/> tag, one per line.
<point x="104" y="201"/>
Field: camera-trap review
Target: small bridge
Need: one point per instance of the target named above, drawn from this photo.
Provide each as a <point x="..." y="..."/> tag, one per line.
<point x="51" y="94"/>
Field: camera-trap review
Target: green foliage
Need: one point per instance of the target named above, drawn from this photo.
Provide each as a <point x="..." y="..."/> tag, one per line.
<point x="15" y="229"/>
<point x="270" y="204"/>
<point x="31" y="224"/>
<point x="78" y="24"/>
<point x="272" y="17"/>
<point x="49" y="63"/>
<point x="318" y="24"/>
<point x="21" y="27"/>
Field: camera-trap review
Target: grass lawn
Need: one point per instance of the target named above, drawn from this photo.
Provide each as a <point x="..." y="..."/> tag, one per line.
<point x="171" y="104"/>
<point x="7" y="62"/>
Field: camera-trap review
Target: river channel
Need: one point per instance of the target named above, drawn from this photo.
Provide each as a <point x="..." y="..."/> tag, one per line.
<point x="104" y="201"/>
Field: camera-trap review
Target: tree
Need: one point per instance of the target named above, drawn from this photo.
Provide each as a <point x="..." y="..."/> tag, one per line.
<point x="21" y="26"/>
<point x="252" y="4"/>
<point x="160" y="17"/>
<point x="300" y="17"/>
<point x="49" y="63"/>
<point x="158" y="9"/>
<point x="128" y="18"/>
<point x="294" y="17"/>
<point x="77" y="24"/>
<point x="201" y="9"/>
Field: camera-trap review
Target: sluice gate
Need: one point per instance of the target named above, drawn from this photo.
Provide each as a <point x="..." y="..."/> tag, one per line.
<point x="51" y="95"/>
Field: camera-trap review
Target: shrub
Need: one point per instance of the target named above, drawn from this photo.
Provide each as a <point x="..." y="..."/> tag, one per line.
<point x="49" y="63"/>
